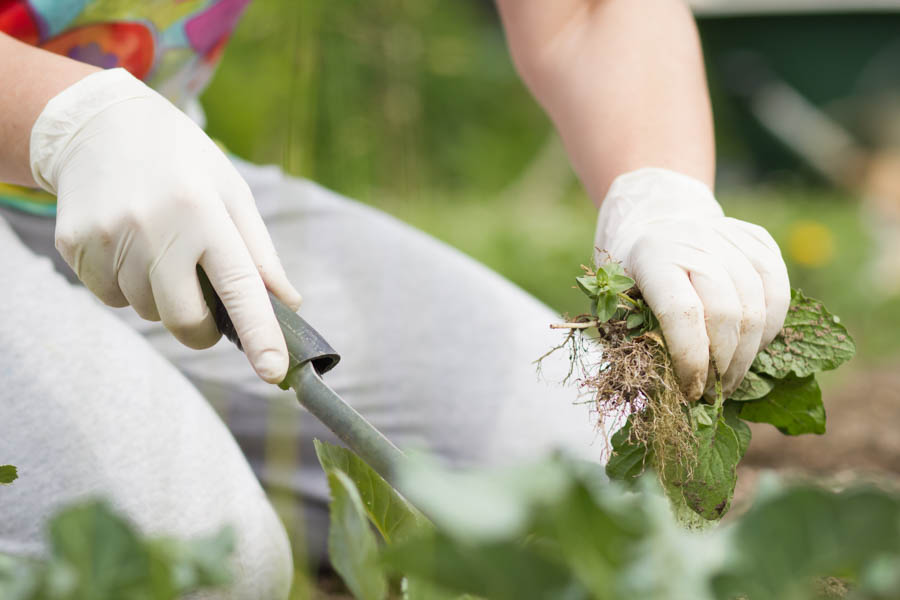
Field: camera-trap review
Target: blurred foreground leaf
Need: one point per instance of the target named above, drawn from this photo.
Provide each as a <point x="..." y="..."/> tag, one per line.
<point x="97" y="555"/>
<point x="351" y="543"/>
<point x="394" y="517"/>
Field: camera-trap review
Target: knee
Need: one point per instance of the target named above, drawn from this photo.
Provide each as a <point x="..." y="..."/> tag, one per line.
<point x="262" y="564"/>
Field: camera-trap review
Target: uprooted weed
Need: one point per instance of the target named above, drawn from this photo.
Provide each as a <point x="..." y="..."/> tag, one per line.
<point x="623" y="374"/>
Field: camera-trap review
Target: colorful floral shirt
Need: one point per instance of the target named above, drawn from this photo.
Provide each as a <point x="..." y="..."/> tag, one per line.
<point x="173" y="45"/>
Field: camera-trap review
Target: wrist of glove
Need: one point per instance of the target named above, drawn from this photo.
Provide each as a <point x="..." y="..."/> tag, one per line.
<point x="144" y="197"/>
<point x="718" y="285"/>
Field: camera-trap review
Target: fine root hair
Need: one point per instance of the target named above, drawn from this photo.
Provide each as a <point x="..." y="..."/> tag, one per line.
<point x="622" y="375"/>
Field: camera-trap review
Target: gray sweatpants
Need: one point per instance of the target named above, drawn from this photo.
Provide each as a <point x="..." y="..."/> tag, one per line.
<point x="437" y="353"/>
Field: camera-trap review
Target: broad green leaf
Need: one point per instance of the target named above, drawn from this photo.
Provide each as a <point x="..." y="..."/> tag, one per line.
<point x="104" y="555"/>
<point x="620" y="283"/>
<point x="8" y="474"/>
<point x="612" y="269"/>
<point x="811" y="340"/>
<point x="97" y="554"/>
<point x="634" y="320"/>
<point x="708" y="486"/>
<point x="704" y="415"/>
<point x="753" y="387"/>
<point x="798" y="533"/>
<point x="394" y="517"/>
<point x="595" y="533"/>
<point x="482" y="504"/>
<point x="508" y="570"/>
<point x="731" y="412"/>
<point x="627" y="460"/>
<point x="794" y="406"/>
<point x="20" y="579"/>
<point x="588" y="285"/>
<point x="352" y="547"/>
<point x="606" y="306"/>
<point x="413" y="588"/>
<point x="197" y="563"/>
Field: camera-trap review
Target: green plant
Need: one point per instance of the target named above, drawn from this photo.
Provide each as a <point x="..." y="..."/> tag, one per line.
<point x="695" y="447"/>
<point x="556" y="528"/>
<point x="96" y="554"/>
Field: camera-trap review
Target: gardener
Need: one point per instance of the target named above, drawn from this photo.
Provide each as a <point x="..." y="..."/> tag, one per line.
<point x="437" y="349"/>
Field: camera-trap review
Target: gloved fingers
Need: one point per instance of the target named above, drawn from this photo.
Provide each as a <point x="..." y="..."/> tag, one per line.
<point x="179" y="297"/>
<point x="90" y="261"/>
<point x="242" y="207"/>
<point x="749" y="288"/>
<point x="763" y="253"/>
<point x="233" y="274"/>
<point x="669" y="293"/>
<point x="133" y="276"/>
<point x="136" y="288"/>
<point x="722" y="309"/>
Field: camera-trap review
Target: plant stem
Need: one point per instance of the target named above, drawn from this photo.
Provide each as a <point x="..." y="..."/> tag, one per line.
<point x="631" y="300"/>
<point x="579" y="325"/>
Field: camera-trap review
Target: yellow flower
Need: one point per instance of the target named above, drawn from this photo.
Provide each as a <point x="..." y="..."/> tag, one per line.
<point x="810" y="244"/>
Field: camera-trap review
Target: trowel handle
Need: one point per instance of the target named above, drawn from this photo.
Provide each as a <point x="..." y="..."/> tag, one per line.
<point x="304" y="344"/>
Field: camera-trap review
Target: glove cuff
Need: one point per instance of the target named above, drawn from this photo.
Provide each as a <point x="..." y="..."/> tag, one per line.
<point x="646" y="195"/>
<point x="68" y="112"/>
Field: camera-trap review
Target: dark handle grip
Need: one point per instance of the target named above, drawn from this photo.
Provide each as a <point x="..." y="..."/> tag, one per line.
<point x="304" y="343"/>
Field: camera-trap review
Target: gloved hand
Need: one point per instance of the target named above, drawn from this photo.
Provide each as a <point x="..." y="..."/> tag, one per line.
<point x="716" y="284"/>
<point x="144" y="196"/>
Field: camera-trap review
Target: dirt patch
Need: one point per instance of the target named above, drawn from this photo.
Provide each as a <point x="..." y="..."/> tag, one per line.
<point x="862" y="442"/>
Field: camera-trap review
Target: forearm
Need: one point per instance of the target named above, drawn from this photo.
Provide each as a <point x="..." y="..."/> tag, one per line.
<point x="623" y="81"/>
<point x="30" y="78"/>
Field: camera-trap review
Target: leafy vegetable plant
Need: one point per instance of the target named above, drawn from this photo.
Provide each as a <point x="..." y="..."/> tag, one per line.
<point x="557" y="528"/>
<point x="694" y="448"/>
<point x="95" y="554"/>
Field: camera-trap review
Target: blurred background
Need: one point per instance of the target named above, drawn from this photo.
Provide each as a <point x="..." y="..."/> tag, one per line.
<point x="413" y="106"/>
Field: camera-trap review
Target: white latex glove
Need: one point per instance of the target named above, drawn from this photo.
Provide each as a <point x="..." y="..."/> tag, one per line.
<point x="144" y="196"/>
<point x="716" y="284"/>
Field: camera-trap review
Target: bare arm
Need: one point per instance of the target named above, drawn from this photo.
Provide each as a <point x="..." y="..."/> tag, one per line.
<point x="623" y="80"/>
<point x="30" y="78"/>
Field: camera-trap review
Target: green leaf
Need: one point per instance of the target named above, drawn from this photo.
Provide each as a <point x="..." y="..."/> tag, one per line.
<point x="8" y="474"/>
<point x="352" y="547"/>
<point x="197" y="563"/>
<point x="708" y="488"/>
<point x="392" y="515"/>
<point x="794" y="406"/>
<point x="482" y="504"/>
<point x="634" y="320"/>
<point x="508" y="570"/>
<point x="588" y="285"/>
<point x="703" y="415"/>
<point x="731" y="413"/>
<point x="611" y="269"/>
<point x="103" y="553"/>
<point x="606" y="307"/>
<point x="620" y="283"/>
<point x="795" y="534"/>
<point x="753" y="387"/>
<point x="628" y="460"/>
<point x="811" y="340"/>
<point x="99" y="555"/>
